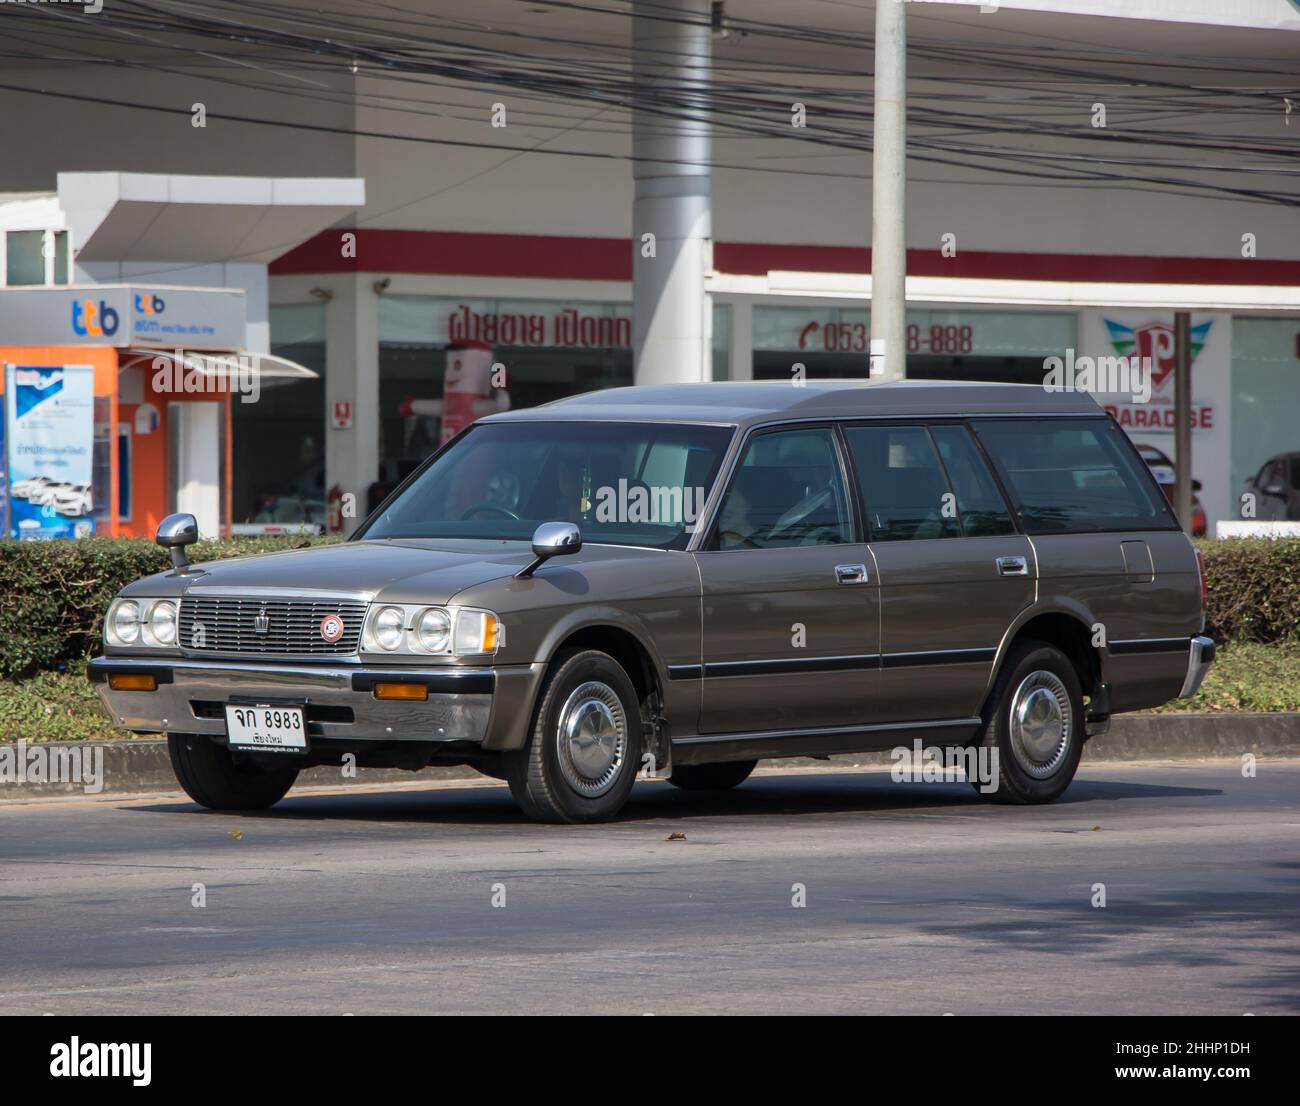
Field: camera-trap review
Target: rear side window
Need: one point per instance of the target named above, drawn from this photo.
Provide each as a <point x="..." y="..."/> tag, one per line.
<point x="907" y="495"/>
<point x="1074" y="475"/>
<point x="983" y="510"/>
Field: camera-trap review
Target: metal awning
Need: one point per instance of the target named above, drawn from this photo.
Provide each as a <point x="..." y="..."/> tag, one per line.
<point x="151" y="217"/>
<point x="268" y="369"/>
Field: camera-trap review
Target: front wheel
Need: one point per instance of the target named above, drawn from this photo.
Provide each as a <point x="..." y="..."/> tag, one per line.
<point x="1034" y="723"/>
<point x="212" y="778"/>
<point x="583" y="754"/>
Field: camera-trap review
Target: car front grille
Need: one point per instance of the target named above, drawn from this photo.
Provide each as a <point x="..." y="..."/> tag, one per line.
<point x="286" y="627"/>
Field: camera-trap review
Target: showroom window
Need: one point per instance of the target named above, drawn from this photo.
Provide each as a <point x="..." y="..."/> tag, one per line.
<point x="1265" y="394"/>
<point x="279" y="441"/>
<point x="549" y="349"/>
<point x="1006" y="346"/>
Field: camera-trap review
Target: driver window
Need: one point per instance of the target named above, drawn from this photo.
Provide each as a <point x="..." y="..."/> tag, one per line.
<point x="788" y="491"/>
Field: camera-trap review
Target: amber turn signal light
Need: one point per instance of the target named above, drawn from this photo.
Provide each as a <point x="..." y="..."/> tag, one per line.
<point x="132" y="681"/>
<point x="401" y="691"/>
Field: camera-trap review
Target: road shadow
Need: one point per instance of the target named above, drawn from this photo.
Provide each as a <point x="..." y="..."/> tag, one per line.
<point x="798" y="794"/>
<point x="1243" y="926"/>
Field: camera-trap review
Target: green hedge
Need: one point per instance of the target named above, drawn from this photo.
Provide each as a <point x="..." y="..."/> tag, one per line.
<point x="53" y="594"/>
<point x="1254" y="589"/>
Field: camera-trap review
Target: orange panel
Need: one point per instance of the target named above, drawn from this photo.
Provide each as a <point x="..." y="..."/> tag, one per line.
<point x="150" y="495"/>
<point x="150" y="503"/>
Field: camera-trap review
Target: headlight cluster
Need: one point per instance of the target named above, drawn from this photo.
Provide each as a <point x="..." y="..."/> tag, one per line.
<point x="436" y="631"/>
<point x="141" y="622"/>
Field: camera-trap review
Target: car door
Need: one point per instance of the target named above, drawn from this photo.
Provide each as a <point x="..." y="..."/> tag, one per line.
<point x="953" y="571"/>
<point x="791" y="628"/>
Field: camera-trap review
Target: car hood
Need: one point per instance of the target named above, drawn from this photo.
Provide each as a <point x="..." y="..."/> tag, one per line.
<point x="431" y="571"/>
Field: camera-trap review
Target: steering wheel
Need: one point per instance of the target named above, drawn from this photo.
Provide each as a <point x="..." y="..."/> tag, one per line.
<point x="470" y="511"/>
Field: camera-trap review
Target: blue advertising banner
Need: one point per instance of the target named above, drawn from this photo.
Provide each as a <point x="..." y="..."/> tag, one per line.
<point x="49" y="443"/>
<point x="4" y="482"/>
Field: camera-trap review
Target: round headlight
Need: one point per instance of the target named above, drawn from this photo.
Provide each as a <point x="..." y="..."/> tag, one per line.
<point x="387" y="627"/>
<point x="160" y="625"/>
<point x="124" y="622"/>
<point x="433" y="630"/>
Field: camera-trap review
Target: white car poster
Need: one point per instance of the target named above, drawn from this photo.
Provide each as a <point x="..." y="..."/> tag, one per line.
<point x="49" y="440"/>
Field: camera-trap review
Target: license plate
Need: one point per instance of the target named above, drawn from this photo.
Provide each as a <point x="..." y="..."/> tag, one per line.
<point x="266" y="728"/>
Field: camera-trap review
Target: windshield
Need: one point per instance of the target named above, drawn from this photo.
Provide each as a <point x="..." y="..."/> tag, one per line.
<point x="621" y="483"/>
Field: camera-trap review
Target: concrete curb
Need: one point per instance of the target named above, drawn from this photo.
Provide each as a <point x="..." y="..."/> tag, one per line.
<point x="142" y="765"/>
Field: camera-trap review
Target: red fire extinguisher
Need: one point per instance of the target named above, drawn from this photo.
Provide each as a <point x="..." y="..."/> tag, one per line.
<point x="334" y="510"/>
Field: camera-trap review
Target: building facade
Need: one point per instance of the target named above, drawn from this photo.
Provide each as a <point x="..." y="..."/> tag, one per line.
<point x="558" y="187"/>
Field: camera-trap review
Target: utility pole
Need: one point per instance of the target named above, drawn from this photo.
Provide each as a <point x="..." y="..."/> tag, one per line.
<point x="1183" y="418"/>
<point x="672" y="232"/>
<point x="888" y="187"/>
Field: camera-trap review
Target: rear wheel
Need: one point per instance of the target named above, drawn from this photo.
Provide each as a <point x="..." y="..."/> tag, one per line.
<point x="712" y="777"/>
<point x="213" y="778"/>
<point x="583" y="754"/>
<point x="1034" y="722"/>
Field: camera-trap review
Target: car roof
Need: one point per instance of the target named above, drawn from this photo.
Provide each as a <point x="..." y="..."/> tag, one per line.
<point x="742" y="403"/>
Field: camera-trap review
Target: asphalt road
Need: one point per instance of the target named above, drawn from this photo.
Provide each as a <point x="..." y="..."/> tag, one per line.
<point x="920" y="900"/>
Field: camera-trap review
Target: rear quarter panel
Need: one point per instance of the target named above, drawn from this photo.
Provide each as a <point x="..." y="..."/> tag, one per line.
<point x="1136" y="603"/>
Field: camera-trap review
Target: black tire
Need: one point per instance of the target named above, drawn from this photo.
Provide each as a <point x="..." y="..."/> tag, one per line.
<point x="548" y="777"/>
<point x="1034" y="770"/>
<point x="212" y="778"/>
<point x="712" y="777"/>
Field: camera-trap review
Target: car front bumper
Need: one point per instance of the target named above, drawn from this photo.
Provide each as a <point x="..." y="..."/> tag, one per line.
<point x="1199" y="658"/>
<point x="338" y="700"/>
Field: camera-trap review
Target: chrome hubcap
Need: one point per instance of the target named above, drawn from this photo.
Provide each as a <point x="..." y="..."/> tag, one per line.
<point x="1041" y="723"/>
<point x="592" y="739"/>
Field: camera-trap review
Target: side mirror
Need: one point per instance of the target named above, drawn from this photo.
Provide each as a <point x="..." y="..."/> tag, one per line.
<point x="551" y="539"/>
<point x="1275" y="490"/>
<point x="1196" y="485"/>
<point x="175" y="532"/>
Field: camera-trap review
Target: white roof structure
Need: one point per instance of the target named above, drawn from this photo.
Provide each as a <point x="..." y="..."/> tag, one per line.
<point x="125" y="217"/>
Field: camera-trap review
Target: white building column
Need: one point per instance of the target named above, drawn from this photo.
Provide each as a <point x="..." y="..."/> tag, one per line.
<point x="672" y="318"/>
<point x="352" y="377"/>
<point x="742" y="340"/>
<point x="197" y="460"/>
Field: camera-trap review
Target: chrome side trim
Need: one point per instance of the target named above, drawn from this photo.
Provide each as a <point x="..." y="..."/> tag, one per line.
<point x="938" y="656"/>
<point x="1129" y="646"/>
<point x="865" y="661"/>
<point x="830" y="731"/>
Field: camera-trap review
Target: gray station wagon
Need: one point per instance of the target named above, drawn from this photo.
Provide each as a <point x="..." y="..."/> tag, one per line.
<point x="684" y="580"/>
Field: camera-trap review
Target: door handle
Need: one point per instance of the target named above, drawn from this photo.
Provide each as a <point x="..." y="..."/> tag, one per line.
<point x="851" y="574"/>
<point x="1012" y="566"/>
